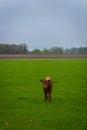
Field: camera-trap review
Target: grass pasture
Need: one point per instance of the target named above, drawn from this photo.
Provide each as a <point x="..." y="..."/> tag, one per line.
<point x="22" y="105"/>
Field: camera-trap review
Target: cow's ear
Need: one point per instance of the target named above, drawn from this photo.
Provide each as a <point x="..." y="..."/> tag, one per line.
<point x="41" y="80"/>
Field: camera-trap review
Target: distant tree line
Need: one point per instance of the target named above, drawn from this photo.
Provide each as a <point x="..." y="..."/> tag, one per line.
<point x="23" y="49"/>
<point x="13" y="49"/>
<point x="60" y="50"/>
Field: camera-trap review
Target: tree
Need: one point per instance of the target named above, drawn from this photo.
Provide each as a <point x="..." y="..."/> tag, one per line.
<point x="45" y="51"/>
<point x="71" y="51"/>
<point x="36" y="51"/>
<point x="13" y="49"/>
<point x="56" y="50"/>
<point x="82" y="50"/>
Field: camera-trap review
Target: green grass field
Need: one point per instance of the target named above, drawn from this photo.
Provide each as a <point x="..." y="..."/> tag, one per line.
<point x="22" y="105"/>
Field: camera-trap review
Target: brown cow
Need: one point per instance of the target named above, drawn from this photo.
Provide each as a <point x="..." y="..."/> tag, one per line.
<point x="47" y="87"/>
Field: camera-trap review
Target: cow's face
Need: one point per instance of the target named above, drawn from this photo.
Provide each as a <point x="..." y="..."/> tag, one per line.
<point x="45" y="83"/>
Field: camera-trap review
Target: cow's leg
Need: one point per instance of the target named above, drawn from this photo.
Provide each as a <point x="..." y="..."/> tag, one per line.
<point x="49" y="96"/>
<point x="46" y="97"/>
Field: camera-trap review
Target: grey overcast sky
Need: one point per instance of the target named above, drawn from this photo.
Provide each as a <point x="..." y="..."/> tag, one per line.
<point x="44" y="23"/>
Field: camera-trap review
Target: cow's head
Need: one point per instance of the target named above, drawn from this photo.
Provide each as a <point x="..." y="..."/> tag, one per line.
<point x="46" y="82"/>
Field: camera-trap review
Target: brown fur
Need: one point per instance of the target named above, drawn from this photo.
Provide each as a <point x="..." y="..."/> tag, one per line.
<point x="47" y="87"/>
